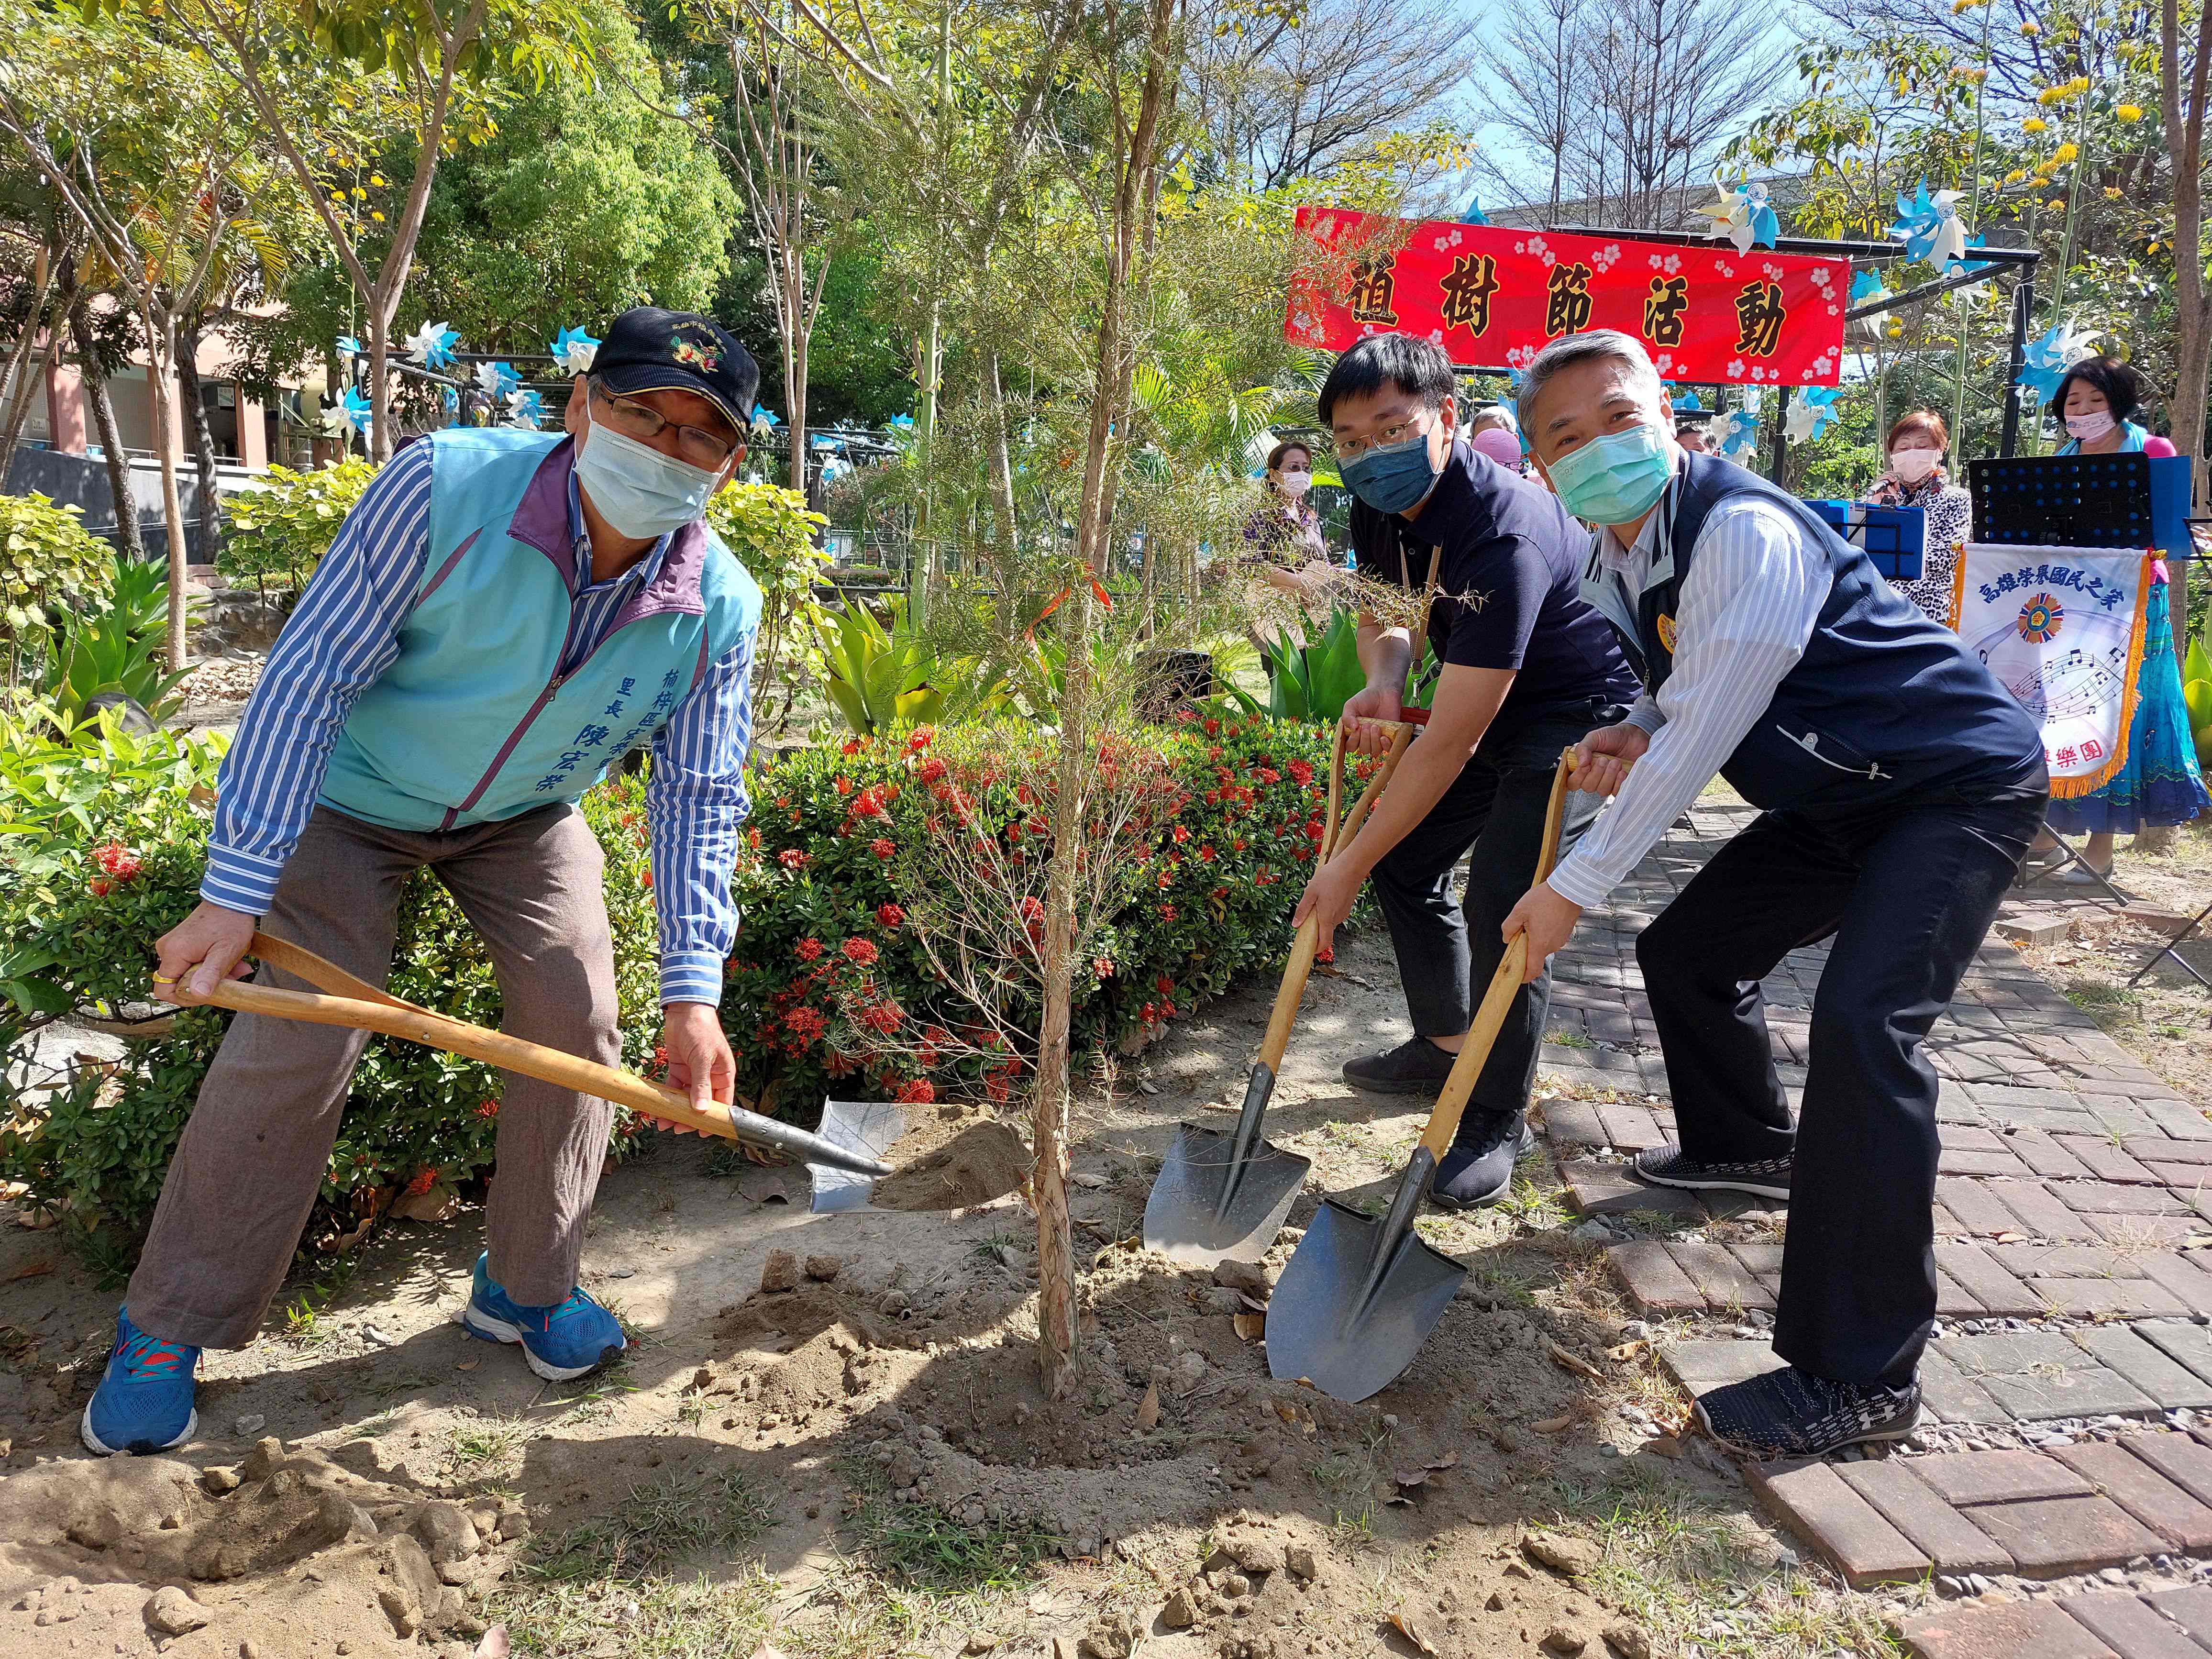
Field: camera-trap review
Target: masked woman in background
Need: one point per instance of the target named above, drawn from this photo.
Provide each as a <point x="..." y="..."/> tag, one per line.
<point x="1916" y="478"/>
<point x="2159" y="784"/>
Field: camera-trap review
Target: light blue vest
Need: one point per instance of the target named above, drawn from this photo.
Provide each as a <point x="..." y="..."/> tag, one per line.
<point x="473" y="723"/>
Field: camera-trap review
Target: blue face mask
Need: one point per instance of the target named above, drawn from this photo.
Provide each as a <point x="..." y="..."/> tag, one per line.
<point x="1392" y="477"/>
<point x="637" y="490"/>
<point x="1615" y="479"/>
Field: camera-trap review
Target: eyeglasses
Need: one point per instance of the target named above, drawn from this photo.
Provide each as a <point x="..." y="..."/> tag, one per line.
<point x="1351" y="449"/>
<point x="696" y="445"/>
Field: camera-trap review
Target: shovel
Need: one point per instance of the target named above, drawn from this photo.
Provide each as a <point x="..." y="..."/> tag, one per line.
<point x="1220" y="1194"/>
<point x="1360" y="1295"/>
<point x="362" y="1006"/>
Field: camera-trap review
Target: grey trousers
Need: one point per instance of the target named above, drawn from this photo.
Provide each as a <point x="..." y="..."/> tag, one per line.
<point x="252" y="1156"/>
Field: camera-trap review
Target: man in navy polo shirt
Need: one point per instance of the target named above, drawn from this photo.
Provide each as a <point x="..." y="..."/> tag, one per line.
<point x="1526" y="667"/>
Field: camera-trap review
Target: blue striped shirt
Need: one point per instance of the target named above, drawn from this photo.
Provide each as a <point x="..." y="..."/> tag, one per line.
<point x="345" y="634"/>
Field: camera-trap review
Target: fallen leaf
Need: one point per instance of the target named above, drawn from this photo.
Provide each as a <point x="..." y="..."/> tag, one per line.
<point x="1410" y="1477"/>
<point x="468" y="1364"/>
<point x="1148" y="1409"/>
<point x="1628" y="1350"/>
<point x="1252" y="1301"/>
<point x="1449" y="1460"/>
<point x="1286" y="1411"/>
<point x="1553" y="1424"/>
<point x="1084" y="1178"/>
<point x="1406" y="1627"/>
<point x="1573" y="1362"/>
<point x="1250" y="1326"/>
<point x="1664" y="1445"/>
<point x="31" y="1271"/>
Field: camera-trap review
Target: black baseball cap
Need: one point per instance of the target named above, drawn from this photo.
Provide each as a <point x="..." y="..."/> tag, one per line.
<point x="649" y="349"/>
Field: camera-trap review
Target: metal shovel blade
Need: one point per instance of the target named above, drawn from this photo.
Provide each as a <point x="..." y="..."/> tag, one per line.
<point x="1343" y="1327"/>
<point x="1221" y="1196"/>
<point x="864" y="1130"/>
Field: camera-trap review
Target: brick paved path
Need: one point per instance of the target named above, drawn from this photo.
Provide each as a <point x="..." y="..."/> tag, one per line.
<point x="2074" y="1254"/>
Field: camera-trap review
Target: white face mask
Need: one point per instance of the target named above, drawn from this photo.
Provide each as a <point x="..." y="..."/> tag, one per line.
<point x="1914" y="464"/>
<point x="2095" y="424"/>
<point x="637" y="490"/>
<point x="1296" y="484"/>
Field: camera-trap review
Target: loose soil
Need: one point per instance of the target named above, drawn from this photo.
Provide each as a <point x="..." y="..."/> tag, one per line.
<point x="865" y="1463"/>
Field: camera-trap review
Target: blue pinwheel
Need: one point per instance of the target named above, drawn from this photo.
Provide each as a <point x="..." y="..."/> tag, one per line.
<point x="764" y="418"/>
<point x="2047" y="360"/>
<point x="575" y="351"/>
<point x="1735" y="432"/>
<point x="1810" y="411"/>
<point x="347" y="415"/>
<point x="1474" y="215"/>
<point x="1743" y="216"/>
<point x="449" y="401"/>
<point x="1931" y="228"/>
<point x="431" y="345"/>
<point x="525" y="408"/>
<point x="1867" y="288"/>
<point x="498" y="379"/>
<point x="348" y="346"/>
<point x="1688" y="400"/>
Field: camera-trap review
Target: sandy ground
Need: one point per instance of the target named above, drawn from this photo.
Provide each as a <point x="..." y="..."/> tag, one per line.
<point x="865" y="1464"/>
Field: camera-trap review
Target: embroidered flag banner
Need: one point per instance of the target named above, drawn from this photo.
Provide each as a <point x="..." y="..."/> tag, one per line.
<point x="1492" y="297"/>
<point x="2061" y="628"/>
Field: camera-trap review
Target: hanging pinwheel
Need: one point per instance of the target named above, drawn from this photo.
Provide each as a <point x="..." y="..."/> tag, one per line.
<point x="764" y="418"/>
<point x="573" y="351"/>
<point x="432" y="345"/>
<point x="1867" y="288"/>
<point x="1474" y="215"/>
<point x="449" y="401"/>
<point x="1735" y="432"/>
<point x="348" y="346"/>
<point x="526" y="409"/>
<point x="2047" y="358"/>
<point x="346" y="417"/>
<point x="1688" y="400"/>
<point x="1931" y="227"/>
<point x="1743" y="216"/>
<point x="1810" y="411"/>
<point x="497" y="380"/>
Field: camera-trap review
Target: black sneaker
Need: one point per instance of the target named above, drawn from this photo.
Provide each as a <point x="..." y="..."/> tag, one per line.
<point x="1415" y="1066"/>
<point x="1794" y="1413"/>
<point x="1665" y="1166"/>
<point x="1477" y="1168"/>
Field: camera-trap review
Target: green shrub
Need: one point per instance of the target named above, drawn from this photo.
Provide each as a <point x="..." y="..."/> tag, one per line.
<point x="48" y="560"/>
<point x="277" y="533"/>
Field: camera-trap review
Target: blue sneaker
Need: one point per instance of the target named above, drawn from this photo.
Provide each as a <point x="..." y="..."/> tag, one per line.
<point x="560" y="1342"/>
<point x="144" y="1402"/>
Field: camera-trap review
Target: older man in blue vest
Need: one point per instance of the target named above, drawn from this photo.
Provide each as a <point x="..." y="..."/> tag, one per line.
<point x="502" y="616"/>
<point x="1899" y="786"/>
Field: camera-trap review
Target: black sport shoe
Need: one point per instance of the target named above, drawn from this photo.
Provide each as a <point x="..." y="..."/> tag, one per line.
<point x="1794" y="1413"/>
<point x="1415" y="1066"/>
<point x="1665" y="1166"/>
<point x="1477" y="1168"/>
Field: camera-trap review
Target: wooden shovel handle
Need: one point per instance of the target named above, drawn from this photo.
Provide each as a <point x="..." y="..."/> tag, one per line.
<point x="1307" y="944"/>
<point x="365" y="1008"/>
<point x="1497" y="1000"/>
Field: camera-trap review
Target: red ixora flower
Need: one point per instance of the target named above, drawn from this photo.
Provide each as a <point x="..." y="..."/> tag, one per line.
<point x="932" y="769"/>
<point x="1300" y="772"/>
<point x="920" y="738"/>
<point x="861" y="950"/>
<point x="852" y="746"/>
<point x="918" y="1092"/>
<point x="890" y="915"/>
<point x="487" y="1109"/>
<point x="424" y="1180"/>
<point x="808" y="949"/>
<point x="883" y="848"/>
<point x="117" y="860"/>
<point x="1103" y="966"/>
<point x="101" y="886"/>
<point x="1032" y="908"/>
<point x="792" y="859"/>
<point x="844" y="786"/>
<point x="1167" y="913"/>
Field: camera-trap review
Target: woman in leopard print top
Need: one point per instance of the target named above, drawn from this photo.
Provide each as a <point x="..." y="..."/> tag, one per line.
<point x="1916" y="478"/>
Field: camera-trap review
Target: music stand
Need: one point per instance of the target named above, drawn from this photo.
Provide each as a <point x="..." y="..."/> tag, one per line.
<point x="2170" y="949"/>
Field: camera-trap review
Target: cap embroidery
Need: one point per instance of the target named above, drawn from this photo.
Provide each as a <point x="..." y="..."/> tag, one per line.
<point x="706" y="361"/>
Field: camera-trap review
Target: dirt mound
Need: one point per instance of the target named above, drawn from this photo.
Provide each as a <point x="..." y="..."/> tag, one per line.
<point x="980" y="1163"/>
<point x="285" y="1553"/>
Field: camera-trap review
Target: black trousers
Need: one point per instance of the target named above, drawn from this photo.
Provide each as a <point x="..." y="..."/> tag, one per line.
<point x="1448" y="949"/>
<point x="1908" y="892"/>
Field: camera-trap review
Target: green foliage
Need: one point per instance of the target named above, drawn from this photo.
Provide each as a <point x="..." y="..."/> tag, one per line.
<point x="772" y="534"/>
<point x="119" y="865"/>
<point x="2196" y="691"/>
<point x="280" y="530"/>
<point x="61" y="777"/>
<point x="883" y="679"/>
<point x="48" y="561"/>
<point x="108" y="655"/>
<point x="1315" y="681"/>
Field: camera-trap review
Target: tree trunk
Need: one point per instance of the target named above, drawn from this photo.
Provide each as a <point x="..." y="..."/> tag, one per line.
<point x="161" y="356"/>
<point x="379" y="383"/>
<point x="794" y="383"/>
<point x="111" y="435"/>
<point x="26" y="392"/>
<point x="1056" y="1299"/>
<point x="2185" y="137"/>
<point x="200" y="437"/>
<point x="19" y="377"/>
<point x="1002" y="469"/>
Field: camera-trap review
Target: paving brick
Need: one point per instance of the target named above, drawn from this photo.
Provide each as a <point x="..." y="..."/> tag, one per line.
<point x="2004" y="1354"/>
<point x="2151" y="1369"/>
<point x="1982" y="1164"/>
<point x="2166" y="1148"/>
<point x="1604" y="1189"/>
<point x="2032" y="1262"/>
<point x="2044" y="1153"/>
<point x="1969" y="1478"/>
<point x="1700" y="1365"/>
<point x="1813" y="1499"/>
<point x="1721" y="1277"/>
<point x="2012" y="1629"/>
<point x="2039" y="1213"/>
<point x="1946" y="1225"/>
<point x="2127" y="1298"/>
<point x="1941" y="1533"/>
<point x="2182" y="1278"/>
<point x="2111" y="1198"/>
<point x="1978" y="1208"/>
<point x="2190" y="1343"/>
<point x="2185" y="1180"/>
<point x="2105" y="1161"/>
<point x="2188" y="1607"/>
<point x="1631" y="1128"/>
<point x="1953" y="1397"/>
<point x="1572" y="1123"/>
<point x="2130" y="1625"/>
<point x="2055" y="1535"/>
<point x="2138" y="1233"/>
<point x="2178" y="1458"/>
<point x="2179" y="1120"/>
<point x="2088" y="1391"/>
<point x="2141" y="1490"/>
<point x="1653" y="1279"/>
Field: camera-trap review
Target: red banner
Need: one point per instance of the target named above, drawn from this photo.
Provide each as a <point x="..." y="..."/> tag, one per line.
<point x="1492" y="296"/>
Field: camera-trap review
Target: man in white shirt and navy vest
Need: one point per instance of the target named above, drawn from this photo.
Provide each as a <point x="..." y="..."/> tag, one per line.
<point x="1899" y="786"/>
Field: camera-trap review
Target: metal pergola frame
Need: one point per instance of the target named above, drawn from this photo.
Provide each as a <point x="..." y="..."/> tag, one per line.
<point x="1988" y="261"/>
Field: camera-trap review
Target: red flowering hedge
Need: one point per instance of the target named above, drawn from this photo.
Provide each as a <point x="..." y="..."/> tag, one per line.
<point x="832" y="989"/>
